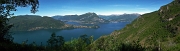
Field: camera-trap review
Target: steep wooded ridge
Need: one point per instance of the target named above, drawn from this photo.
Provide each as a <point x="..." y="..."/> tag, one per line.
<point x="158" y="30"/>
<point x="35" y="22"/>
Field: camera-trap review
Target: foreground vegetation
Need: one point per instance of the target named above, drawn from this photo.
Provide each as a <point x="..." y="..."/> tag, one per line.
<point x="57" y="43"/>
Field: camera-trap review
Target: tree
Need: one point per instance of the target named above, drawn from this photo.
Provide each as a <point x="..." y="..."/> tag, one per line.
<point x="60" y="41"/>
<point x="52" y="40"/>
<point x="56" y="41"/>
<point x="6" y="7"/>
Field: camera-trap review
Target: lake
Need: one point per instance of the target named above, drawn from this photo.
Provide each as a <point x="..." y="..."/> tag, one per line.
<point x="39" y="36"/>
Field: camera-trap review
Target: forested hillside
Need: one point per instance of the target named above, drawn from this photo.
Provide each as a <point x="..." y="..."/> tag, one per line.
<point x="156" y="31"/>
<point x="34" y="22"/>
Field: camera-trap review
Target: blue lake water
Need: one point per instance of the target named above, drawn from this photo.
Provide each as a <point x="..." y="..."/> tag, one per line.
<point x="39" y="36"/>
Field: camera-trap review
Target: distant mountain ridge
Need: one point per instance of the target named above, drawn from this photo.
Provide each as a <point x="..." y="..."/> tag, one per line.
<point x="87" y="18"/>
<point x="93" y="18"/>
<point x="120" y="18"/>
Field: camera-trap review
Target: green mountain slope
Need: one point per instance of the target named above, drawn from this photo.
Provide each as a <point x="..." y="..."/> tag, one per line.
<point x="158" y="30"/>
<point x="33" y="22"/>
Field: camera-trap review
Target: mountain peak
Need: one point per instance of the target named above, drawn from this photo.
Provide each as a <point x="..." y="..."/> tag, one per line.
<point x="90" y="13"/>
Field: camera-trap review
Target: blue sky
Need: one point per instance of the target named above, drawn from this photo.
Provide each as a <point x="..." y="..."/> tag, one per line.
<point x="102" y="7"/>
